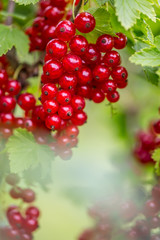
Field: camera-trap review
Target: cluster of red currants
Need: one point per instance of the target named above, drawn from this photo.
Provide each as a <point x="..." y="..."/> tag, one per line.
<point x="81" y="70"/>
<point x="147" y="142"/>
<point x="132" y="221"/>
<point x="22" y="222"/>
<point x="43" y="28"/>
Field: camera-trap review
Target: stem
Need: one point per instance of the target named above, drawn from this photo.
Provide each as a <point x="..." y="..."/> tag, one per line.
<point x="75" y="10"/>
<point x="11" y="7"/>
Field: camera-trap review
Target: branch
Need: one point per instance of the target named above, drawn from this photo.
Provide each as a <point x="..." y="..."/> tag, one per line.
<point x="11" y="7"/>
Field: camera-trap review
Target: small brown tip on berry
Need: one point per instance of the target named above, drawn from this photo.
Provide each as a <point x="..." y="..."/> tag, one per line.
<point x="111" y="61"/>
<point x="53" y="128"/>
<point x="88" y="25"/>
<point x="49" y="110"/>
<point x="82" y="49"/>
<point x="67" y="100"/>
<point x="97" y="77"/>
<point x="70" y="87"/>
<point x="11" y="89"/>
<point x="69" y="114"/>
<point x="39" y="98"/>
<point x="103" y="41"/>
<point x="62" y="29"/>
<point x="47" y="73"/>
<point x="45" y="93"/>
<point x="4" y="104"/>
<point x="50" y="51"/>
<point x="76" y="69"/>
<point x="123" y="75"/>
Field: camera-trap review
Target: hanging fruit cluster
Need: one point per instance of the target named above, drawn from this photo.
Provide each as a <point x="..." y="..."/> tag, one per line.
<point x="21" y="222"/>
<point x="147" y="142"/>
<point x="126" y="220"/>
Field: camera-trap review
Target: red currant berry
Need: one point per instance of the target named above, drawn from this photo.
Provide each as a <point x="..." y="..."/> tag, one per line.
<point x="53" y="15"/>
<point x="15" y="219"/>
<point x="72" y="131"/>
<point x="65" y="30"/>
<point x="113" y="97"/>
<point x="29" y="124"/>
<point x="79" y="118"/>
<point x="119" y="74"/>
<point x="7" y="118"/>
<point x="38" y="24"/>
<point x="109" y="86"/>
<point x="85" y="22"/>
<point x="105" y="43"/>
<point x="112" y="59"/>
<point x="84" y="91"/>
<point x="38" y="114"/>
<point x="26" y="236"/>
<point x="122" y="84"/>
<point x="13" y="87"/>
<point x="49" y="91"/>
<point x="28" y="195"/>
<point x="78" y="103"/>
<point x="48" y="33"/>
<point x="97" y="96"/>
<point x="65" y="112"/>
<point x="64" y="141"/>
<point x="64" y="97"/>
<point x="56" y="48"/>
<point x="84" y="76"/>
<point x="16" y="192"/>
<point x="101" y="73"/>
<point x="68" y="81"/>
<point x="151" y="208"/>
<point x="30" y="224"/>
<point x="50" y="106"/>
<point x="3" y="78"/>
<point x="120" y="41"/>
<point x="92" y="54"/>
<point x="53" y="122"/>
<point x="7" y="104"/>
<point x="13" y="234"/>
<point x="32" y="212"/>
<point x="156" y="127"/>
<point x="78" y="45"/>
<point x="26" y="101"/>
<point x="72" y="63"/>
<point x="53" y="69"/>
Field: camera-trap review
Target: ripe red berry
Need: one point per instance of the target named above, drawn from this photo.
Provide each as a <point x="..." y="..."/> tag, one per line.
<point x="97" y="96"/>
<point x="84" y="76"/>
<point x="32" y="212"/>
<point x="65" y="112"/>
<point x="53" y="69"/>
<point x="105" y="43"/>
<point x="13" y="87"/>
<point x="3" y="78"/>
<point x="72" y="63"/>
<point x="7" y="104"/>
<point x="53" y="122"/>
<point x="119" y="74"/>
<point x="63" y="141"/>
<point x="112" y="59"/>
<point x="26" y="101"/>
<point x="68" y="81"/>
<point x="109" y="86"/>
<point x="38" y="114"/>
<point x="26" y="236"/>
<point x="56" y="48"/>
<point x="64" y="97"/>
<point x="120" y="41"/>
<point x="122" y="84"/>
<point x="50" y="106"/>
<point x="84" y="91"/>
<point x="49" y="91"/>
<point x="16" y="192"/>
<point x="78" y="103"/>
<point x="156" y="127"/>
<point x="151" y="208"/>
<point x="101" y="73"/>
<point x="92" y="54"/>
<point x="113" y="97"/>
<point x="65" y="30"/>
<point x="30" y="224"/>
<point x="79" y="118"/>
<point x="28" y="195"/>
<point x="38" y="23"/>
<point x="53" y="15"/>
<point x="78" y="45"/>
<point x="48" y="33"/>
<point x="15" y="219"/>
<point x="7" y="118"/>
<point x="72" y="131"/>
<point x="85" y="22"/>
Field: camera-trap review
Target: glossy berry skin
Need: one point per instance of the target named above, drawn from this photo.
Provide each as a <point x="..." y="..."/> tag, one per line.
<point x="53" y="122"/>
<point x="30" y="224"/>
<point x="7" y="119"/>
<point x="112" y="59"/>
<point x="101" y="73"/>
<point x="65" y="30"/>
<point x="64" y="97"/>
<point x="29" y="124"/>
<point x="7" y="104"/>
<point x="97" y="96"/>
<point x="78" y="103"/>
<point x="48" y="33"/>
<point x="78" y="45"/>
<point x="26" y="236"/>
<point x="32" y="212"/>
<point x="50" y="106"/>
<point x="56" y="48"/>
<point x="15" y="219"/>
<point x="109" y="86"/>
<point x="105" y="43"/>
<point x="53" y="15"/>
<point x="84" y="76"/>
<point x="113" y="97"/>
<point x="92" y="54"/>
<point x="119" y="74"/>
<point x="38" y="114"/>
<point x="49" y="91"/>
<point x="72" y="63"/>
<point x="156" y="127"/>
<point x="85" y="22"/>
<point x="68" y="81"/>
<point x="65" y="112"/>
<point x="38" y="24"/>
<point x="13" y="87"/>
<point x="53" y="69"/>
<point x="26" y="101"/>
<point x="122" y="84"/>
<point x="28" y="195"/>
<point x="64" y="141"/>
<point x="72" y="131"/>
<point x="13" y="233"/>
<point x="79" y="118"/>
<point x="120" y="41"/>
<point x="84" y="91"/>
<point x="3" y="78"/>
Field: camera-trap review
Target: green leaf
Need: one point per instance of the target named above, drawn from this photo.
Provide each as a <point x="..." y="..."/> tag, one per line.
<point x="156" y="158"/>
<point x="101" y="2"/>
<point x="151" y="75"/>
<point x="34" y="85"/>
<point x="13" y="37"/>
<point x="146" y="57"/>
<point x="26" y="2"/>
<point x="157" y="42"/>
<point x="25" y="153"/>
<point x="128" y="11"/>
